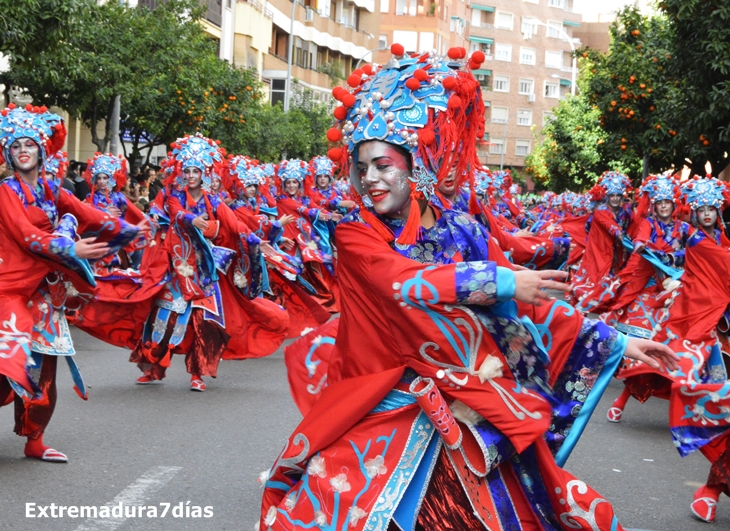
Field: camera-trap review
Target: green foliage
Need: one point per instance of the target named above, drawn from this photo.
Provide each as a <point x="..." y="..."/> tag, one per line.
<point x="701" y="60"/>
<point x="334" y="70"/>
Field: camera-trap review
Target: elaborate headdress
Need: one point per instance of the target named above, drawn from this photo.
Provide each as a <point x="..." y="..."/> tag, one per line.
<point x="113" y="167"/>
<point x="502" y="181"/>
<point x="245" y="171"/>
<point x="322" y="166"/>
<point x="658" y="188"/>
<point x="610" y="183"/>
<point x="709" y="191"/>
<point x="55" y="166"/>
<point x="429" y="105"/>
<point x="44" y="128"/>
<point x="482" y="182"/>
<point x="292" y="169"/>
<point x="197" y="152"/>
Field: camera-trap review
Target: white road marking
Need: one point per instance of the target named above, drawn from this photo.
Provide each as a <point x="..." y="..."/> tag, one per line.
<point x="134" y="495"/>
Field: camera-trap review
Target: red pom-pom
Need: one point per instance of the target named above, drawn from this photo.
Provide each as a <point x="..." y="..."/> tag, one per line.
<point x="348" y="100"/>
<point x="454" y="102"/>
<point x="4" y="112"/>
<point x="413" y="84"/>
<point x="450" y="83"/>
<point x="340" y="112"/>
<point x="368" y="69"/>
<point x="334" y="135"/>
<point x="427" y="137"/>
<point x="29" y="108"/>
<point x="335" y="154"/>
<point x="354" y="80"/>
<point x="473" y="66"/>
<point x="420" y="74"/>
<point x="337" y="92"/>
<point x="11" y="106"/>
<point x="462" y="52"/>
<point x="358" y="72"/>
<point x="454" y="53"/>
<point x="397" y="50"/>
<point x="478" y="57"/>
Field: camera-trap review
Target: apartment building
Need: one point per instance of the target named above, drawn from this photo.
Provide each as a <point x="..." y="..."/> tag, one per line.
<point x="330" y="38"/>
<point x="422" y="25"/>
<point x="528" y="69"/>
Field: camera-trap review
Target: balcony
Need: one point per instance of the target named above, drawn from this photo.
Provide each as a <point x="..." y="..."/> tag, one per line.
<point x="258" y="6"/>
<point x="213" y="13"/>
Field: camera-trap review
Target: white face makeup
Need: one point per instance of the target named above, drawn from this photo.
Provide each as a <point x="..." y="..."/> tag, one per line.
<point x="323" y="181"/>
<point x="615" y="200"/>
<point x="250" y="191"/>
<point x="664" y="209"/>
<point x="707" y="217"/>
<point x="194" y="178"/>
<point x="25" y="154"/>
<point x="447" y="187"/>
<point x="383" y="172"/>
<point x="291" y="187"/>
<point x="102" y="182"/>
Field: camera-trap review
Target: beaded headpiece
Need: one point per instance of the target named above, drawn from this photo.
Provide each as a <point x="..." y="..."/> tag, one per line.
<point x="322" y="166"/>
<point x="428" y="104"/>
<point x="292" y="169"/>
<point x="44" y="128"/>
<point x="245" y="171"/>
<point x="502" y="180"/>
<point x="661" y="187"/>
<point x="614" y="183"/>
<point x="482" y="181"/>
<point x="196" y="152"/>
<point x="709" y="191"/>
<point x="55" y="166"/>
<point x="113" y="167"/>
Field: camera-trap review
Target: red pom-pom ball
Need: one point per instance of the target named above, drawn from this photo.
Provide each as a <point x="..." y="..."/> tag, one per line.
<point x="450" y="83"/>
<point x="335" y="154"/>
<point x="340" y="112"/>
<point x="413" y="84"/>
<point x="478" y="57"/>
<point x="337" y="92"/>
<point x="354" y="80"/>
<point x="462" y="52"/>
<point x="368" y="69"/>
<point x="348" y="100"/>
<point x="397" y="50"/>
<point x="334" y="135"/>
<point x="454" y="102"/>
<point x="454" y="53"/>
<point x="420" y="74"/>
<point x="427" y="137"/>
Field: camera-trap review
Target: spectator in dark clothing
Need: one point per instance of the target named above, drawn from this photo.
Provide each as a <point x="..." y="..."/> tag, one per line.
<point x="81" y="188"/>
<point x="155" y="182"/>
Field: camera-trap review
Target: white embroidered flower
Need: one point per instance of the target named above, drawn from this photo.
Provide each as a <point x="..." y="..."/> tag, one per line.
<point x="465" y="414"/>
<point x="43" y="307"/>
<point x="290" y="501"/>
<point x="62" y="344"/>
<point x="316" y="467"/>
<point x="355" y="515"/>
<point x="306" y="331"/>
<point x="270" y="516"/>
<point x="239" y="279"/>
<point x="185" y="270"/>
<point x="264" y="477"/>
<point x="55" y="317"/>
<point x="340" y="483"/>
<point x="374" y="467"/>
<point x="715" y="397"/>
<point x="317" y="340"/>
<point x="670" y="284"/>
<point x="320" y="518"/>
<point x="312" y="245"/>
<point x="490" y="368"/>
<point x="70" y="289"/>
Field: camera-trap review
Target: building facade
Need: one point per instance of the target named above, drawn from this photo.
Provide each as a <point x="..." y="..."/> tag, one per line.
<point x="528" y="69"/>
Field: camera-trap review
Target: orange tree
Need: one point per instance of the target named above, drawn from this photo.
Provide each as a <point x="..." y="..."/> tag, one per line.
<point x="701" y="58"/>
<point x="635" y="94"/>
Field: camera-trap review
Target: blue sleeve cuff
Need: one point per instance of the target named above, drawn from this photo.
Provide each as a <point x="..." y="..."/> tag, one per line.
<point x="505" y="284"/>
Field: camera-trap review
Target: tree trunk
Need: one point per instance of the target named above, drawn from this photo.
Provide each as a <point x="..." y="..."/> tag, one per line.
<point x="645" y="168"/>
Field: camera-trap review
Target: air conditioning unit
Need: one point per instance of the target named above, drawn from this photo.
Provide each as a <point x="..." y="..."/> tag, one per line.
<point x="531" y="98"/>
<point x="308" y="14"/>
<point x="481" y="77"/>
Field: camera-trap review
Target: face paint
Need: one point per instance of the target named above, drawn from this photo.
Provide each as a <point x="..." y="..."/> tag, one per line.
<point x="615" y="200"/>
<point x="707" y="217"/>
<point x="291" y="186"/>
<point x="384" y="173"/>
<point x="194" y="178"/>
<point x="664" y="209"/>
<point x="102" y="182"/>
<point x="25" y="154"/>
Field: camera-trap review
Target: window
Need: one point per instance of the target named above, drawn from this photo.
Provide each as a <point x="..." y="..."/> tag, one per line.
<point x="529" y="26"/>
<point x="526" y="86"/>
<point x="553" y="59"/>
<point x="555" y="29"/>
<point x="527" y="56"/>
<point x="278" y="89"/>
<point x="476" y="18"/>
<point x="547" y="117"/>
<point x="522" y="148"/>
<point x="457" y="25"/>
<point x="383" y="41"/>
<point x="504" y="20"/>
<point x="409" y="40"/>
<point x="500" y="115"/>
<point x="426" y="40"/>
<point x="556" y="3"/>
<point x="401" y="7"/>
<point x="503" y="52"/>
<point x="384" y="6"/>
<point x="552" y="90"/>
<point x="501" y="84"/>
<point x="524" y="117"/>
<point x="497" y="147"/>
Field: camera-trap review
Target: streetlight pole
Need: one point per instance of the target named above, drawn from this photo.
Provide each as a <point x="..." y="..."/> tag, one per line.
<point x="287" y="94"/>
<point x="378" y="49"/>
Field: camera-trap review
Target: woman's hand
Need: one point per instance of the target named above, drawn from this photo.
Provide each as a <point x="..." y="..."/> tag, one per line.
<point x="531" y="286"/>
<point x="286" y="243"/>
<point x="86" y="248"/>
<point x="201" y="223"/>
<point x="522" y="233"/>
<point x="346" y="203"/>
<point x="337" y="217"/>
<point x="650" y="352"/>
<point x="113" y="211"/>
<point x="286" y="219"/>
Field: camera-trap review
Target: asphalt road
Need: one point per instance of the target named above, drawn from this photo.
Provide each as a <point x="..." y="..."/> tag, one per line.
<point x="163" y="444"/>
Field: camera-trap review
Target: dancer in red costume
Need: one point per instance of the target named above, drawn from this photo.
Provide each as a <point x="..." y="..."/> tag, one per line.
<point x="605" y="254"/>
<point x="41" y="262"/>
<point x="431" y="419"/>
<point x="323" y="193"/>
<point x="210" y="303"/>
